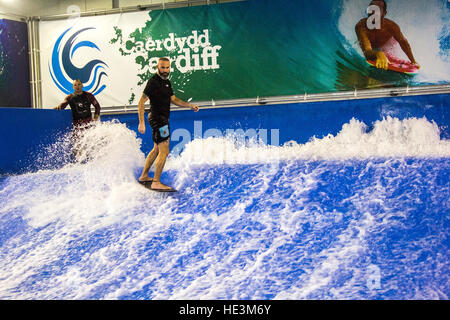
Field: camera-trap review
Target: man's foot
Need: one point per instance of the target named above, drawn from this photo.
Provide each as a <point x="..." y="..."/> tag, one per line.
<point x="157" y="185"/>
<point x="145" y="179"/>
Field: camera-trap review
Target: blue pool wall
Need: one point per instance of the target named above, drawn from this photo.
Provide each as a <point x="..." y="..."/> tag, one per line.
<point x="299" y="121"/>
<point x="24" y="132"/>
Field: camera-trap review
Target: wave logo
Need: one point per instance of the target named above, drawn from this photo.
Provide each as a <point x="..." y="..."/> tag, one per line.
<point x="63" y="71"/>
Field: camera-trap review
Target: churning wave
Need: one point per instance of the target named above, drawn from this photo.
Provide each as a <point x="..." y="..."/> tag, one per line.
<point x="359" y="215"/>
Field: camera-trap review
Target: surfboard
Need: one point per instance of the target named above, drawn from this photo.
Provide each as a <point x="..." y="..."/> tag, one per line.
<point x="148" y="185"/>
<point x="398" y="65"/>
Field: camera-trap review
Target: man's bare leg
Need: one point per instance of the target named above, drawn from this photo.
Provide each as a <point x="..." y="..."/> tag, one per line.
<point x="148" y="163"/>
<point x="163" y="148"/>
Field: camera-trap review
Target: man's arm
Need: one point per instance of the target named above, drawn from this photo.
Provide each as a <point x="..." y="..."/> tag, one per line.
<point x="141" y="112"/>
<point x="178" y="102"/>
<point x="404" y="44"/>
<point x="95" y="104"/>
<point x="364" y="42"/>
<point x="64" y="104"/>
<point x="370" y="54"/>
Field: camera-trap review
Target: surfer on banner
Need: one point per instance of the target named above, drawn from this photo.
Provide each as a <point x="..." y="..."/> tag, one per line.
<point x="380" y="37"/>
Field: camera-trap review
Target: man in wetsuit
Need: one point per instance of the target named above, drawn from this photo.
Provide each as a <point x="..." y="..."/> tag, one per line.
<point x="80" y="103"/>
<point x="159" y="91"/>
<point x="371" y="40"/>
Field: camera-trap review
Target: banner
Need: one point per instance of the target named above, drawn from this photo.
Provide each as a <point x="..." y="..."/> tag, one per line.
<point x="249" y="49"/>
<point x="14" y="65"/>
<point x="80" y="48"/>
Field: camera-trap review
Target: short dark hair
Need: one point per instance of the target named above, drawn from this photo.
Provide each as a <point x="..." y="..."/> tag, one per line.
<point x="384" y="2"/>
<point x="164" y="59"/>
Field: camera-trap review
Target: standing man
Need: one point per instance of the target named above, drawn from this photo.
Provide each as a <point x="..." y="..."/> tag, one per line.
<point x="372" y="40"/>
<point x="80" y="103"/>
<point x="159" y="91"/>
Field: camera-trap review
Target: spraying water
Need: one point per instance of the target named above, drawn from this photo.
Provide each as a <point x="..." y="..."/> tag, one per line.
<point x="359" y="215"/>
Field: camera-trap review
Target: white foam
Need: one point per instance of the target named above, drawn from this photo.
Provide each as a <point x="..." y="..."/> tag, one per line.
<point x="108" y="179"/>
<point x="389" y="137"/>
<point x="103" y="177"/>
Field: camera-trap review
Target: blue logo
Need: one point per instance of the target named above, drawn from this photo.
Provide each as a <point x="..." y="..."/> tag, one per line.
<point x="90" y="75"/>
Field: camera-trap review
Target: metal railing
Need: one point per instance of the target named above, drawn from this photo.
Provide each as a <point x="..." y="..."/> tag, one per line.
<point x="301" y="98"/>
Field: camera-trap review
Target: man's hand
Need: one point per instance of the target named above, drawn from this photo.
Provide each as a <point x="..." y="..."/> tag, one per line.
<point x="195" y="107"/>
<point x="382" y="61"/>
<point x="178" y="102"/>
<point x="141" y="127"/>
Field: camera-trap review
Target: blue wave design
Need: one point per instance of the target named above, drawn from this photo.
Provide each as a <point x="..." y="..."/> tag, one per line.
<point x="55" y="69"/>
<point x="88" y="86"/>
<point x="96" y="81"/>
<point x="83" y="44"/>
<point x="57" y="65"/>
<point x="97" y="91"/>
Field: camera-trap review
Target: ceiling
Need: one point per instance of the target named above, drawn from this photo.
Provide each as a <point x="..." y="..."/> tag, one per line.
<point x="52" y="7"/>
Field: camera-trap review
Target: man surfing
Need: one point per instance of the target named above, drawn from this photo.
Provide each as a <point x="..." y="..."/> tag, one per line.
<point x="372" y="40"/>
<point x="159" y="91"/>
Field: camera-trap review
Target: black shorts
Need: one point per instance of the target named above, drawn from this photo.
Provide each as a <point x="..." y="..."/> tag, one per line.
<point x="160" y="134"/>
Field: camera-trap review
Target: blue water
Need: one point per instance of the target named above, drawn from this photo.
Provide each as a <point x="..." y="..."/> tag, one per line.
<point x="368" y="228"/>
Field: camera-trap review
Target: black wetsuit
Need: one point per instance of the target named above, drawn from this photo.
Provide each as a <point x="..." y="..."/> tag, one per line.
<point x="159" y="91"/>
<point x="81" y="106"/>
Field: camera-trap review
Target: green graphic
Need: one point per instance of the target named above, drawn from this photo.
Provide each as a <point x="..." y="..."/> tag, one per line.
<point x="258" y="48"/>
<point x="194" y="46"/>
